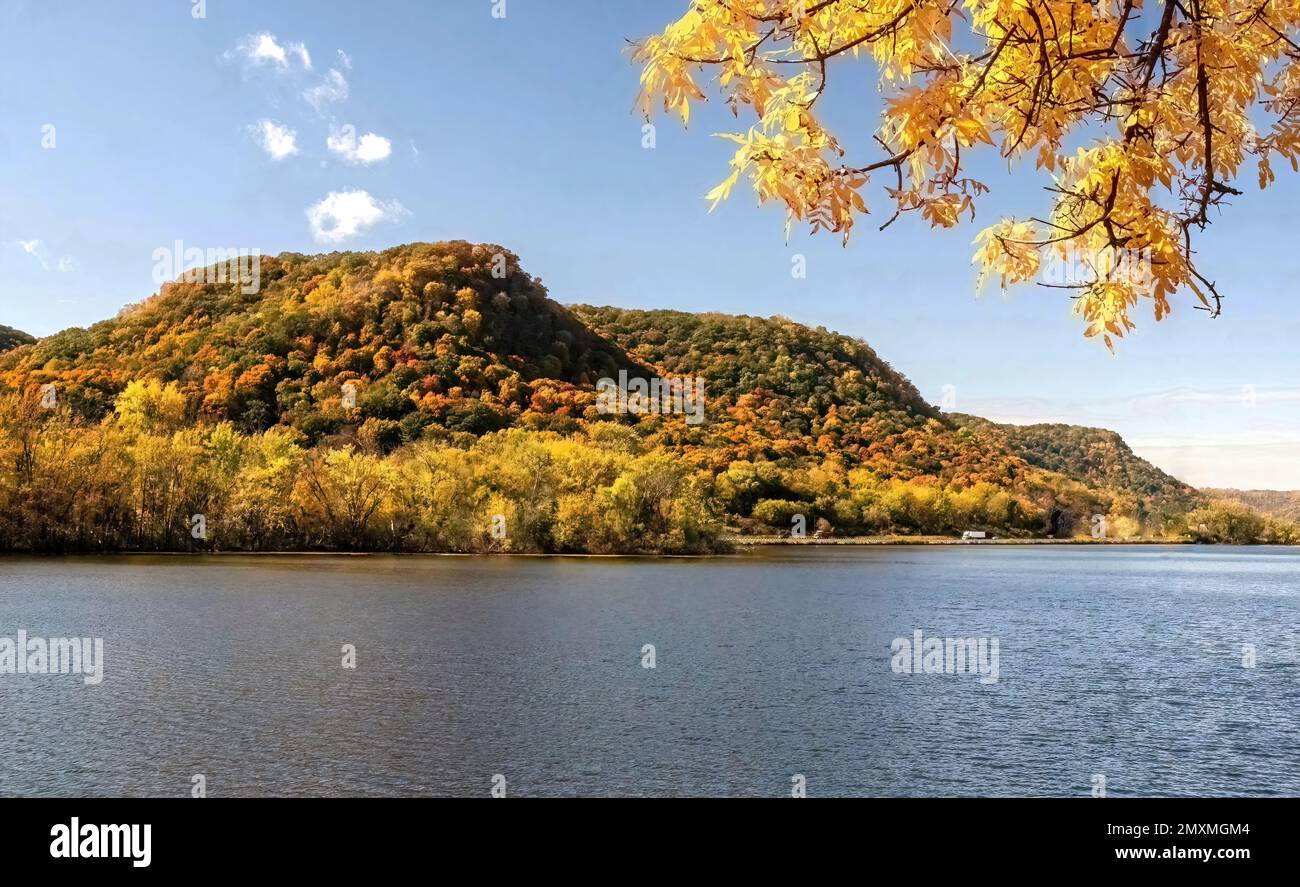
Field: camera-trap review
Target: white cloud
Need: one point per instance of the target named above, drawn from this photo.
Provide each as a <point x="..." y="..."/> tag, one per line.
<point x="334" y="88"/>
<point x="35" y="248"/>
<point x="49" y="260"/>
<point x="344" y="214"/>
<point x="262" y="49"/>
<point x="345" y="60"/>
<point x="276" y="140"/>
<point x="370" y="148"/>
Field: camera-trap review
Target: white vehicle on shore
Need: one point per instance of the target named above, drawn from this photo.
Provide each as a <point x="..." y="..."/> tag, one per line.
<point x="974" y="536"/>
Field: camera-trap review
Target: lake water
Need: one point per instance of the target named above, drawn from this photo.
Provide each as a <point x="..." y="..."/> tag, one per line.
<point x="1120" y="661"/>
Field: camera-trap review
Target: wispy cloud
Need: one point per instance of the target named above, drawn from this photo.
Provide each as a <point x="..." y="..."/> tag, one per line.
<point x="1146" y="406"/>
<point x="1247" y="461"/>
<point x="277" y="140"/>
<point x="35" y="248"/>
<point x="49" y="260"/>
<point x="334" y="88"/>
<point x="369" y="148"/>
<point x="344" y="214"/>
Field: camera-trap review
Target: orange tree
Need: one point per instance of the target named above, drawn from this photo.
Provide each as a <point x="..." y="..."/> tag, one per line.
<point x="1141" y="115"/>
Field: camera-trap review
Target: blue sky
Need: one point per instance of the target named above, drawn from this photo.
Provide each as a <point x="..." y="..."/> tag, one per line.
<point x="433" y="120"/>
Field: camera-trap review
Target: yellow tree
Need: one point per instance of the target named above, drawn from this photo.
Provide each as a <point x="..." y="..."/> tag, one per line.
<point x="1140" y="116"/>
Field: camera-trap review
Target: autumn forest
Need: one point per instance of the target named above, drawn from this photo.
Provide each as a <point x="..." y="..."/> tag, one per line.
<point x="432" y="397"/>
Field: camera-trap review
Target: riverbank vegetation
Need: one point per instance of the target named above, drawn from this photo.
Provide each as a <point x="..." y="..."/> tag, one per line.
<point x="145" y="479"/>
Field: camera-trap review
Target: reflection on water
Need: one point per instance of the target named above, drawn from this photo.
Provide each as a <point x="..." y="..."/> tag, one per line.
<point x="1123" y="661"/>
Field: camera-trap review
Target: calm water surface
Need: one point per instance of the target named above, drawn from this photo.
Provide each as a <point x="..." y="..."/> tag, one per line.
<point x="1123" y="661"/>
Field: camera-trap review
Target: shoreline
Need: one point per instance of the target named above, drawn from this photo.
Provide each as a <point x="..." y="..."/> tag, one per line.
<point x="947" y="540"/>
<point x="740" y="545"/>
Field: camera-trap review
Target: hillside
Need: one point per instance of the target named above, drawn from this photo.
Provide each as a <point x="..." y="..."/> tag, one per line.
<point x="1282" y="504"/>
<point x="12" y="338"/>
<point x="426" y="330"/>
<point x="475" y="398"/>
<point x="1097" y="457"/>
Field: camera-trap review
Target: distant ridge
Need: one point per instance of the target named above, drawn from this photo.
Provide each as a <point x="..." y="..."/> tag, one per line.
<point x="12" y="338"/>
<point x="1284" y="504"/>
<point x="1094" y="455"/>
